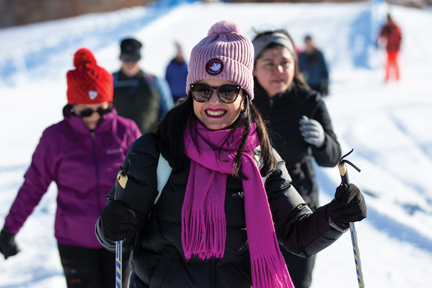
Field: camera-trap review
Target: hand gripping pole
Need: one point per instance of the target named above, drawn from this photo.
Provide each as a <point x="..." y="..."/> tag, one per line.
<point x="345" y="180"/>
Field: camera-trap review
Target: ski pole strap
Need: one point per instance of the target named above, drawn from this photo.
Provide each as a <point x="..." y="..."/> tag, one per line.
<point x="343" y="168"/>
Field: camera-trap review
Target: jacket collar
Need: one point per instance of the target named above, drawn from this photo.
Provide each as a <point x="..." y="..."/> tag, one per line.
<point x="77" y="124"/>
<point x="261" y="94"/>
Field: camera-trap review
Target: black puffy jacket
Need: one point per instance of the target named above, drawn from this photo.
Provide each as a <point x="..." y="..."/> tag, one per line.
<point x="157" y="258"/>
<point x="284" y="112"/>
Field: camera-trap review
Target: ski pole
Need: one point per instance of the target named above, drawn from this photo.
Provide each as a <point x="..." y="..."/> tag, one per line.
<point x="345" y="180"/>
<point x="118" y="196"/>
<point x="119" y="264"/>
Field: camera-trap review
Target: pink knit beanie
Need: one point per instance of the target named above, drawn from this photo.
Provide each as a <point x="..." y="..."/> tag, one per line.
<point x="224" y="54"/>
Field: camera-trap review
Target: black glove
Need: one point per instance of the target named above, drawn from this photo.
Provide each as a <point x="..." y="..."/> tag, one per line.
<point x="347" y="206"/>
<point x="7" y="243"/>
<point x="118" y="221"/>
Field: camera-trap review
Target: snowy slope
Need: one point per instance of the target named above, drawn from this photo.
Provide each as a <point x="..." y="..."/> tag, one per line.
<point x="387" y="125"/>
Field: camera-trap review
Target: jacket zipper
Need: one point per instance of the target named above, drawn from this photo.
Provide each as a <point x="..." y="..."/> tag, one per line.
<point x="271" y="103"/>
<point x="93" y="136"/>
<point x="212" y="273"/>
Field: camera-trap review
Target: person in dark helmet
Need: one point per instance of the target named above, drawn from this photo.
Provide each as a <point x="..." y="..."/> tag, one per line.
<point x="81" y="154"/>
<point x="138" y="95"/>
<point x="313" y="67"/>
<point x="301" y="124"/>
<point x="229" y="199"/>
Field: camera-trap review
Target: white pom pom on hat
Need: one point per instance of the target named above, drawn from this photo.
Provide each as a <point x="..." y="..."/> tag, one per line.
<point x="224" y="27"/>
<point x="224" y="54"/>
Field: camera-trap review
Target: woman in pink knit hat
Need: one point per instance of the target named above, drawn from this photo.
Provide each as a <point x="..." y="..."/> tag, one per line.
<point x="228" y="200"/>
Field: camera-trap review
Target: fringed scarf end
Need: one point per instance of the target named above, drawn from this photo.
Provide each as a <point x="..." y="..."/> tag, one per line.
<point x="270" y="272"/>
<point x="204" y="232"/>
<point x="193" y="228"/>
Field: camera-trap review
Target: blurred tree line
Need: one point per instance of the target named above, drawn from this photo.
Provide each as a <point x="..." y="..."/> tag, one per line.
<point x="20" y="12"/>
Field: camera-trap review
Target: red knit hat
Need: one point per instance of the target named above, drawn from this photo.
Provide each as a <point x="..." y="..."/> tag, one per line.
<point x="88" y="83"/>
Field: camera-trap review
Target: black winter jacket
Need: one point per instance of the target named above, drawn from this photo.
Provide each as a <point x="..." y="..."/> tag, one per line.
<point x="157" y="258"/>
<point x="134" y="98"/>
<point x="284" y="112"/>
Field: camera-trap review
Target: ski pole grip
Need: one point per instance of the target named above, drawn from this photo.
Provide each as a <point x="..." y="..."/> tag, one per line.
<point x="121" y="182"/>
<point x="120" y="186"/>
<point x="343" y="172"/>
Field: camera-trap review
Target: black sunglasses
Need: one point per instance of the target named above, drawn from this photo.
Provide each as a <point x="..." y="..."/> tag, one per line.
<point x="130" y="57"/>
<point x="226" y="93"/>
<point x="88" y="112"/>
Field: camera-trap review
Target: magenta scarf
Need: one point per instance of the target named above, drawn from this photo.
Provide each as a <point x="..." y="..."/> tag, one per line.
<point x="203" y="212"/>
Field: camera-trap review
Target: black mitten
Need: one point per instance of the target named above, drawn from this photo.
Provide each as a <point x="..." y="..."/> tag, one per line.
<point x="118" y="221"/>
<point x="8" y="247"/>
<point x="347" y="206"/>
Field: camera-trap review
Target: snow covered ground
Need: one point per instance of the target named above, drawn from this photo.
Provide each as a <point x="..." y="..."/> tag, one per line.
<point x="388" y="125"/>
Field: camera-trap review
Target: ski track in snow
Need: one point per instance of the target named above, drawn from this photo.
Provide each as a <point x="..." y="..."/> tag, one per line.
<point x="387" y="125"/>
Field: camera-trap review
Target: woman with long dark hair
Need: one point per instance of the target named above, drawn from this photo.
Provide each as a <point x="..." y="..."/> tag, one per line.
<point x="229" y="199"/>
<point x="301" y="124"/>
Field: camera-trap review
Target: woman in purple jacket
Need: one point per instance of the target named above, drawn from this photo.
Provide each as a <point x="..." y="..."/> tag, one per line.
<point x="82" y="154"/>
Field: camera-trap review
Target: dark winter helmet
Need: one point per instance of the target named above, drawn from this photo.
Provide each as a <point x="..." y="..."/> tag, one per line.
<point x="130" y="50"/>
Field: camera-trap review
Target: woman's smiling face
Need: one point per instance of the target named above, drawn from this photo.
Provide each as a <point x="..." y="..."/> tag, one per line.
<point x="215" y="114"/>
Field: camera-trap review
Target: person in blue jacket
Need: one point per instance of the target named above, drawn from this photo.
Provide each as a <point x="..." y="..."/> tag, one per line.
<point x="176" y="74"/>
<point x="313" y="67"/>
<point x="138" y="95"/>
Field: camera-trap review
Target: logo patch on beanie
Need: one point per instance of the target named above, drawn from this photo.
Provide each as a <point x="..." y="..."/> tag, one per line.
<point x="214" y="66"/>
<point x="92" y="94"/>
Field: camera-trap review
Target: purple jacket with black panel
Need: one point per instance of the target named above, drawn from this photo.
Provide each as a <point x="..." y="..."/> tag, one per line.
<point x="84" y="165"/>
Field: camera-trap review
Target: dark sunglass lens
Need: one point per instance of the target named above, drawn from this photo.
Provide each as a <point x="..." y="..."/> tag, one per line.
<point x="86" y="113"/>
<point x="229" y="92"/>
<point x="102" y="111"/>
<point x="130" y="58"/>
<point x="201" y="93"/>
